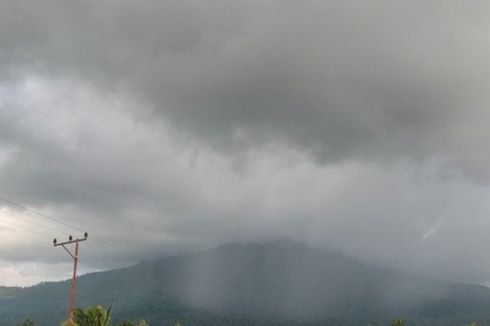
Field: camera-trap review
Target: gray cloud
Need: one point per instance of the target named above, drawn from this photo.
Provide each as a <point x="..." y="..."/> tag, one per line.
<point x="192" y="124"/>
<point x="340" y="80"/>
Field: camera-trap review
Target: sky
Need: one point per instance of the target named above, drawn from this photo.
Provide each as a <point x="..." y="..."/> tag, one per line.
<point x="166" y="127"/>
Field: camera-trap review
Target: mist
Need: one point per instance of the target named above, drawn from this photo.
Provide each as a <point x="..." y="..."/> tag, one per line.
<point x="170" y="127"/>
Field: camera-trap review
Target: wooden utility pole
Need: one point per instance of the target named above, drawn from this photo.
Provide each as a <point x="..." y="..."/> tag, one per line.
<point x="74" y="256"/>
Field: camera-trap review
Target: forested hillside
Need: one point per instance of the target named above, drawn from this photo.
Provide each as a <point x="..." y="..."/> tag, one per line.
<point x="278" y="283"/>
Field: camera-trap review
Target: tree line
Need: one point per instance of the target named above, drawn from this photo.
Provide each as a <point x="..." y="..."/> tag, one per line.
<point x="98" y="316"/>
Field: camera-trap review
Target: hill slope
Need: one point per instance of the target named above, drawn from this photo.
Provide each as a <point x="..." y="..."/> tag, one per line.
<point x="275" y="283"/>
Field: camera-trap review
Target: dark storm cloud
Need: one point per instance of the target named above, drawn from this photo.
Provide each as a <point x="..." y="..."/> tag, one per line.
<point x="195" y="123"/>
<point x="340" y="80"/>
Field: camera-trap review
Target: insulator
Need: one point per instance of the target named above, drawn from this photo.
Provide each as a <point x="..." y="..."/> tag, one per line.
<point x="86" y="235"/>
<point x="70" y="238"/>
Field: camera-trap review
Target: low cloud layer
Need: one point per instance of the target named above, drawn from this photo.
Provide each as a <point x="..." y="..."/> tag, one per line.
<point x="170" y="126"/>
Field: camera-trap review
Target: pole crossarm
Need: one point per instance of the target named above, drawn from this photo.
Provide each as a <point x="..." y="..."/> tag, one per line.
<point x="63" y="244"/>
<point x="56" y="244"/>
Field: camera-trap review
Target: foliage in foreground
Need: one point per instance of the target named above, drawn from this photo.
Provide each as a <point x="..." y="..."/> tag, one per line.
<point x="27" y="322"/>
<point x="98" y="316"/>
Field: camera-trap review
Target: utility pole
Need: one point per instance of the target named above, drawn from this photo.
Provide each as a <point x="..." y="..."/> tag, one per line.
<point x="74" y="256"/>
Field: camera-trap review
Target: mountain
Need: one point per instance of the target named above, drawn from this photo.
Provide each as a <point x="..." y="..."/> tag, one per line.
<point x="276" y="283"/>
<point x="8" y="292"/>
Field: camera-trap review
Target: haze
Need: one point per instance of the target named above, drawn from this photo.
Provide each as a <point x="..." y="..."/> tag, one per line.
<point x="163" y="127"/>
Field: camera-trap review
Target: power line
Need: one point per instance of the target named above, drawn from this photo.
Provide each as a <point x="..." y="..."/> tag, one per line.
<point x="13" y="217"/>
<point x="18" y="226"/>
<point x="40" y="214"/>
<point x="106" y="242"/>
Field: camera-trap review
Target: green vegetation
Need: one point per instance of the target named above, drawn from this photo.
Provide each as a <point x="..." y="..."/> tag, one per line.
<point x="92" y="316"/>
<point x="27" y="322"/>
<point x="398" y="322"/>
<point x="133" y="323"/>
<point x="277" y="284"/>
<point x="98" y="316"/>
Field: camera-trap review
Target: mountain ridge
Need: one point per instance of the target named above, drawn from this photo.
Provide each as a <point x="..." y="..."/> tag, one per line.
<point x="272" y="283"/>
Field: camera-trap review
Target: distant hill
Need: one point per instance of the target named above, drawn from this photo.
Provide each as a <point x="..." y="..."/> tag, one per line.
<point x="8" y="292"/>
<point x="276" y="283"/>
